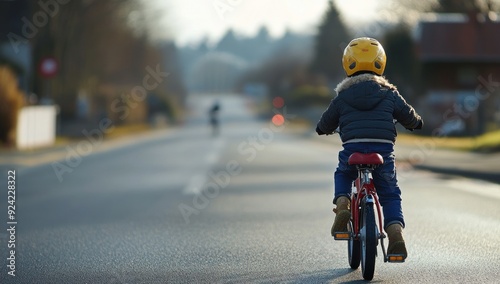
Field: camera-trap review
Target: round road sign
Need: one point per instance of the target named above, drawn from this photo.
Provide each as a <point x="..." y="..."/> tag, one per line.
<point x="48" y="67"/>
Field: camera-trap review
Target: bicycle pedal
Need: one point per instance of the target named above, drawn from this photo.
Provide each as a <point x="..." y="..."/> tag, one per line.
<point x="341" y="236"/>
<point x="396" y="258"/>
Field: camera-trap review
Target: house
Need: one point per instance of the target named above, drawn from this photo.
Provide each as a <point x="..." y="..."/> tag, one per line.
<point x="460" y="60"/>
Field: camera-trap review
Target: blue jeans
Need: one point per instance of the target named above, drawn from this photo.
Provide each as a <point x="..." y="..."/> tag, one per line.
<point x="384" y="178"/>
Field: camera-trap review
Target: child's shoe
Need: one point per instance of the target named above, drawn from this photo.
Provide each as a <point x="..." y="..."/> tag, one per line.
<point x="396" y="242"/>
<point x="342" y="215"/>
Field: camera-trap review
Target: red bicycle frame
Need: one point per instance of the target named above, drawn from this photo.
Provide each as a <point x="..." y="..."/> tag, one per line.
<point x="365" y="163"/>
<point x="363" y="189"/>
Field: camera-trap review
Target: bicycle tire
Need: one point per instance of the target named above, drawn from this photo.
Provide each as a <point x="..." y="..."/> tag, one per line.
<point x="353" y="248"/>
<point x="368" y="238"/>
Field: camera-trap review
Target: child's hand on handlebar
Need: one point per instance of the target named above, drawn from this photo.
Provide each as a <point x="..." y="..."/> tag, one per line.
<point x="419" y="126"/>
<point x="319" y="131"/>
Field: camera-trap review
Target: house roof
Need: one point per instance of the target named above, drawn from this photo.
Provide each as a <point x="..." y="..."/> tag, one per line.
<point x="475" y="39"/>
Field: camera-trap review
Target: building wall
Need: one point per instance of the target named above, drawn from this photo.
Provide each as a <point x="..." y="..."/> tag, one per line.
<point x="462" y="91"/>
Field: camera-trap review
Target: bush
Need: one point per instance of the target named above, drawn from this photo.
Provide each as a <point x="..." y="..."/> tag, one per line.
<point x="309" y="95"/>
<point x="11" y="100"/>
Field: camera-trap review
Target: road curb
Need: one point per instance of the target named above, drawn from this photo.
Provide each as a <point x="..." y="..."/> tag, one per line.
<point x="490" y="177"/>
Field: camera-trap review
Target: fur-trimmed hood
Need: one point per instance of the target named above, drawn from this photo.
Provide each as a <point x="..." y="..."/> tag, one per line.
<point x="365" y="109"/>
<point x="364" y="91"/>
<point x="350" y="81"/>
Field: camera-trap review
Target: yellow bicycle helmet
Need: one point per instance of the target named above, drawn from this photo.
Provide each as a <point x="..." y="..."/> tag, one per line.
<point x="364" y="54"/>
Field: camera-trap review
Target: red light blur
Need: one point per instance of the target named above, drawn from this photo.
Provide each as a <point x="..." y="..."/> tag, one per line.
<point x="278" y="119"/>
<point x="278" y="102"/>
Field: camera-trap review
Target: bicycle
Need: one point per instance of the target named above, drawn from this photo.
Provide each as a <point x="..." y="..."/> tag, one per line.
<point x="364" y="230"/>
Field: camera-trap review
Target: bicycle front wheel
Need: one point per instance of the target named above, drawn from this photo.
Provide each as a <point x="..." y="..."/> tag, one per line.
<point x="368" y="236"/>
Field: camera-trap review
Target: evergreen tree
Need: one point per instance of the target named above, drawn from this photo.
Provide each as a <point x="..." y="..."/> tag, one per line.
<point x="263" y="35"/>
<point x="331" y="40"/>
<point x="402" y="64"/>
<point x="228" y="42"/>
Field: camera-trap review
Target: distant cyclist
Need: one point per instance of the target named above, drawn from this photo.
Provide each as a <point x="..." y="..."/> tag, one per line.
<point x="213" y="114"/>
<point x="364" y="110"/>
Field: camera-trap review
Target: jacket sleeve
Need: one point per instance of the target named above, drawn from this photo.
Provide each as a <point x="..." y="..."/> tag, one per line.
<point x="405" y="113"/>
<point x="329" y="120"/>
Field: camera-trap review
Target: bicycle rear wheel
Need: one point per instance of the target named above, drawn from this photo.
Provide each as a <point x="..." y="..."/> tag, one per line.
<point x="353" y="248"/>
<point x="368" y="236"/>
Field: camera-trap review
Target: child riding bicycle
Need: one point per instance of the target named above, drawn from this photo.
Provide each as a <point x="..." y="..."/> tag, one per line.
<point x="364" y="110"/>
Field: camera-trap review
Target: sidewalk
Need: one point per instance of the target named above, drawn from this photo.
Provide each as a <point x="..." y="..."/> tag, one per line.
<point x="29" y="158"/>
<point x="437" y="160"/>
<point x="444" y="161"/>
<point x="72" y="149"/>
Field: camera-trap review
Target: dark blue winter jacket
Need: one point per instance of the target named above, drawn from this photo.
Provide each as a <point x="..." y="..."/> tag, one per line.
<point x="365" y="109"/>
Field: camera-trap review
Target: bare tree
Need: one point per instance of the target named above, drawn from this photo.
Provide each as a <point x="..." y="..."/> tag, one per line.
<point x="443" y="6"/>
<point x="464" y="6"/>
<point x="96" y="42"/>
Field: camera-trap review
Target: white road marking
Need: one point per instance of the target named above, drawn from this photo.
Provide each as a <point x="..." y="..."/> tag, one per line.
<point x="478" y="187"/>
<point x="212" y="158"/>
<point x="197" y="182"/>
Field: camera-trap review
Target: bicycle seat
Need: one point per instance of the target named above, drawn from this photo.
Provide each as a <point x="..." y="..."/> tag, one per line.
<point x="365" y="159"/>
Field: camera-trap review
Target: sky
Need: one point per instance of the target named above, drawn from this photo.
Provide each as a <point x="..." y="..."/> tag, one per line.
<point x="189" y="21"/>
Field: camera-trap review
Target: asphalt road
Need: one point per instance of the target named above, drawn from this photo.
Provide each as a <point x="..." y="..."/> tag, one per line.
<point x="252" y="205"/>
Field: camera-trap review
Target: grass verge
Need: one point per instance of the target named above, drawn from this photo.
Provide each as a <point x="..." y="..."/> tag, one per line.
<point x="124" y="130"/>
<point x="488" y="142"/>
